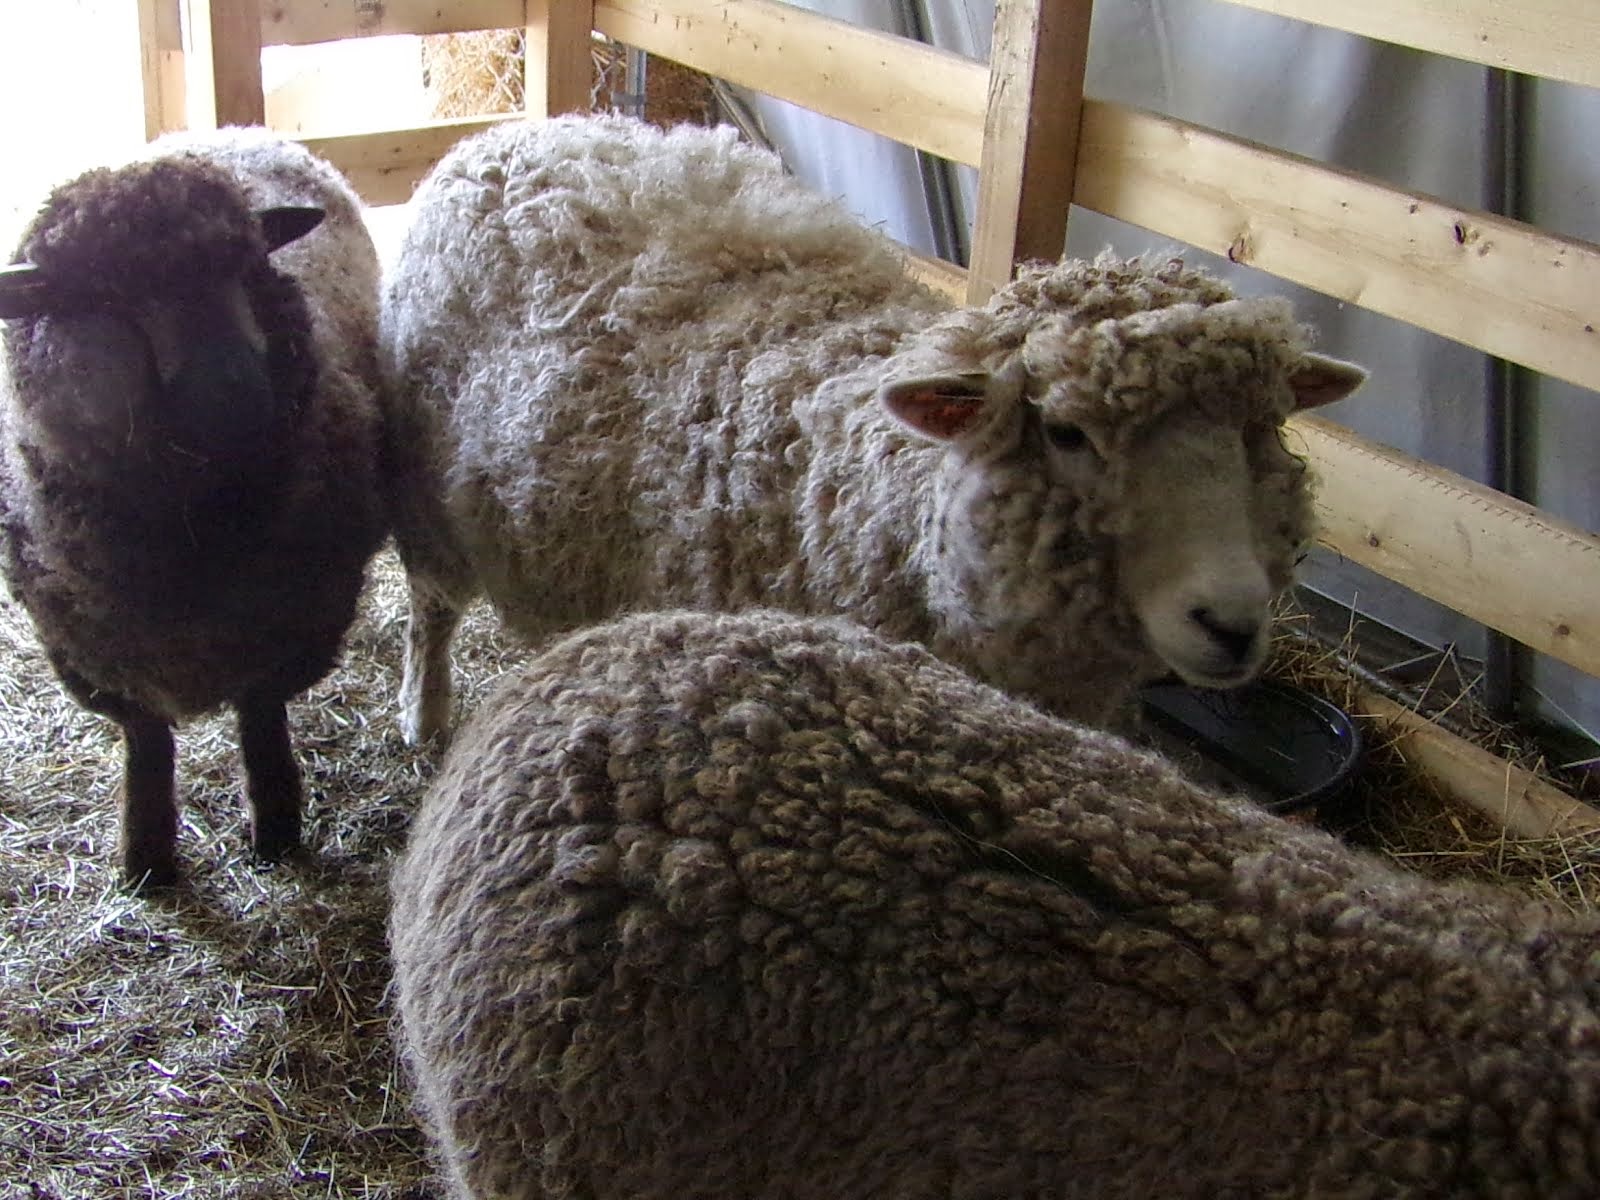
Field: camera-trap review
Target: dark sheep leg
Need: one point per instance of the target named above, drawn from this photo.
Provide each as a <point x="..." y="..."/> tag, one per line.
<point x="272" y="780"/>
<point x="148" y="848"/>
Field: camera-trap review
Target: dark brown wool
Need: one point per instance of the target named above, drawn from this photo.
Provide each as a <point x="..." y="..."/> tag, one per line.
<point x="182" y="550"/>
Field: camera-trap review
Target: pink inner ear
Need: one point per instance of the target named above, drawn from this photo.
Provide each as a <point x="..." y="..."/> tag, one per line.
<point x="938" y="412"/>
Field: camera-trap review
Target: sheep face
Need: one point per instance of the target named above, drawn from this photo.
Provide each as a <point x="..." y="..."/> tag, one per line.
<point x="1146" y="449"/>
<point x="150" y="351"/>
<point x="1191" y="561"/>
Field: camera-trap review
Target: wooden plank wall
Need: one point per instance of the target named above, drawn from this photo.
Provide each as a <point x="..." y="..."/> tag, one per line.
<point x="1505" y="287"/>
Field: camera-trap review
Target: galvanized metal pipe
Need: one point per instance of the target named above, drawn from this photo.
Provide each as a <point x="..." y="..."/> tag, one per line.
<point x="1505" y="383"/>
<point x="938" y="182"/>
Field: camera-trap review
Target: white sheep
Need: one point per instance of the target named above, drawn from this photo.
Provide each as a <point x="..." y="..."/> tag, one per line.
<point x="643" y="368"/>
<point x="763" y="906"/>
<point x="189" y="439"/>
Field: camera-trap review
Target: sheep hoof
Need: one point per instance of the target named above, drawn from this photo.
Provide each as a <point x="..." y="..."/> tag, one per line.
<point x="425" y="730"/>
<point x="273" y="841"/>
<point x="143" y="878"/>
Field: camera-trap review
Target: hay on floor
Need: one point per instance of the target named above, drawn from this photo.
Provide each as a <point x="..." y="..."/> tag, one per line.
<point x="230" y="1040"/>
<point x="1396" y="809"/>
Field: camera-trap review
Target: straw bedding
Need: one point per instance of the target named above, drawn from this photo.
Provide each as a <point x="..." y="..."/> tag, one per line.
<point x="233" y="1040"/>
<point x="230" y="1040"/>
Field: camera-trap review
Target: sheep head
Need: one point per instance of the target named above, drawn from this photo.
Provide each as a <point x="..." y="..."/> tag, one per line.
<point x="1132" y="460"/>
<point x="147" y="293"/>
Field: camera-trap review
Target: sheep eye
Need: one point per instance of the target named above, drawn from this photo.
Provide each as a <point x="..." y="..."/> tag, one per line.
<point x="1066" y="437"/>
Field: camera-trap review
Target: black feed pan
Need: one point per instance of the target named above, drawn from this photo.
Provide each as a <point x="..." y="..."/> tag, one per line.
<point x="1295" y="748"/>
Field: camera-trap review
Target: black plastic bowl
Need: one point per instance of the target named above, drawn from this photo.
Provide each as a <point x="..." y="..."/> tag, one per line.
<point x="1297" y="750"/>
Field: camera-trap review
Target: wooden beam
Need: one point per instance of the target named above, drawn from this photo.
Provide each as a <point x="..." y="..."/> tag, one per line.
<point x="1513" y="798"/>
<point x="945" y="278"/>
<point x="1494" y="559"/>
<point x="161" y="66"/>
<point x="1502" y="286"/>
<point x="385" y="167"/>
<point x="1558" y="39"/>
<point x="558" y="66"/>
<point x="301" y="22"/>
<point x="222" y="60"/>
<point x="1030" y="137"/>
<point x="927" y="98"/>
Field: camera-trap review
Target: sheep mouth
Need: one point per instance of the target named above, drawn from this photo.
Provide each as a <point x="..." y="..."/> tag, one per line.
<point x="1231" y="678"/>
<point x="1206" y="664"/>
<point x="1212" y="674"/>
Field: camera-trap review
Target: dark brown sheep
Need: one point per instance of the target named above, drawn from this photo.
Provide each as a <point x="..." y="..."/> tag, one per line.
<point x="189" y="461"/>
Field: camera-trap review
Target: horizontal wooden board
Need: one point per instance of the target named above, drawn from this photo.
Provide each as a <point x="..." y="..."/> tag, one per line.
<point x="927" y="98"/>
<point x="301" y="22"/>
<point x="385" y="167"/>
<point x="1499" y="285"/>
<point x="943" y="277"/>
<point x="1517" y="800"/>
<point x="1494" y="559"/>
<point x="1558" y="39"/>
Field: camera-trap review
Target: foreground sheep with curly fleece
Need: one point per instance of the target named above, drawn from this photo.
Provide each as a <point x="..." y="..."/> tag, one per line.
<point x="645" y="369"/>
<point x="188" y="466"/>
<point x="764" y="906"/>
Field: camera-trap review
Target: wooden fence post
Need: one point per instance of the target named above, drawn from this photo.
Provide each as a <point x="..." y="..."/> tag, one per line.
<point x="222" y="61"/>
<point x="161" y="66"/>
<point x="1030" y="137"/>
<point x="558" y="68"/>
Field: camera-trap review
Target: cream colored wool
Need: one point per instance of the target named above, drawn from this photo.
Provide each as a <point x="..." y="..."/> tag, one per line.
<point x="750" y="907"/>
<point x="634" y="368"/>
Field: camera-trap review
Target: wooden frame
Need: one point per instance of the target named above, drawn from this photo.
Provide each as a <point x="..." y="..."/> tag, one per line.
<point x="1404" y="254"/>
<point x="161" y="64"/>
<point x="221" y="68"/>
<point x="1555" y="39"/>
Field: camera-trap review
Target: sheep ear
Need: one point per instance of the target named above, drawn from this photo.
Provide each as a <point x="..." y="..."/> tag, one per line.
<point x="1319" y="380"/>
<point x="23" y="292"/>
<point x="288" y="223"/>
<point x="939" y="407"/>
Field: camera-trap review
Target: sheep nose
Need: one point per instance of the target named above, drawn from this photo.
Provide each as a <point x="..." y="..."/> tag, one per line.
<point x="1233" y="638"/>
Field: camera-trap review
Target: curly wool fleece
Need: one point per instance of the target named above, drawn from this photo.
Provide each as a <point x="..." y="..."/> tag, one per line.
<point x="182" y="548"/>
<point x="634" y="368"/>
<point x="758" y="906"/>
<point x="156" y="577"/>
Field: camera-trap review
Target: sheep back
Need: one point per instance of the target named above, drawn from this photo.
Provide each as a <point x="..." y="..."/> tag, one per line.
<point x="739" y="906"/>
<point x="599" y="333"/>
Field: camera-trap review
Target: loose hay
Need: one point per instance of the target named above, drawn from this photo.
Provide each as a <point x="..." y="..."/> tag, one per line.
<point x="232" y="1040"/>
<point x="474" y="74"/>
<point x="481" y="73"/>
<point x="1395" y="808"/>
